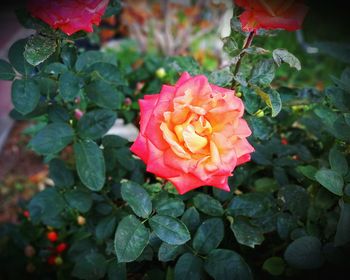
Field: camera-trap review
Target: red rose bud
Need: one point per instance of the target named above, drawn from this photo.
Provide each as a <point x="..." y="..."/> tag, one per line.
<point x="51" y="260"/>
<point x="26" y="214"/>
<point x="61" y="247"/>
<point x="284" y="141"/>
<point x="78" y="114"/>
<point x="70" y="16"/>
<point x="52" y="236"/>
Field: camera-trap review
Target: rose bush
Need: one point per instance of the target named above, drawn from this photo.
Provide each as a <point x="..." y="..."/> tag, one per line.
<point x="276" y="14"/>
<point x="193" y="134"/>
<point x="102" y="215"/>
<point x="70" y="16"/>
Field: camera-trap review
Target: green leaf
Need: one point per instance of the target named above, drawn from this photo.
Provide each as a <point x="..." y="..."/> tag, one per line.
<point x="25" y="95"/>
<point x="39" y="48"/>
<point x="295" y="199"/>
<point x="275" y="102"/>
<point x="286" y="223"/>
<point x="107" y="72"/>
<point x="265" y="184"/>
<point x="168" y="252"/>
<point x="171" y="207"/>
<point x="16" y="57"/>
<point x="6" y="71"/>
<point x="58" y="113"/>
<point x="130" y="239"/>
<point x="308" y="171"/>
<point x="103" y="94"/>
<point x="90" y="165"/>
<point x="208" y="205"/>
<point x="252" y="205"/>
<point x="116" y="270"/>
<point x="188" y="266"/>
<point x="338" y="162"/>
<point x="221" y="77"/>
<point x="261" y="128"/>
<point x="252" y="101"/>
<point x="226" y="264"/>
<point x="274" y="265"/>
<point x="246" y="233"/>
<point x="69" y="86"/>
<point x="125" y="159"/>
<point x="208" y="236"/>
<point x="304" y="253"/>
<point x="282" y="55"/>
<point x="170" y="229"/>
<point x="137" y="198"/>
<point x="46" y="205"/>
<point x="342" y="236"/>
<point x="191" y="219"/>
<point x="60" y="174"/>
<point x="331" y="180"/>
<point x="86" y="59"/>
<point x="55" y="68"/>
<point x="114" y="141"/>
<point x="105" y="227"/>
<point x="78" y="199"/>
<point x="52" y="139"/>
<point x="69" y="55"/>
<point x="96" y="123"/>
<point x="263" y="72"/>
<point x="91" y="266"/>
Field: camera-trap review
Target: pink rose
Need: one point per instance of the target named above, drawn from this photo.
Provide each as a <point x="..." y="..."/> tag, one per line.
<point x="193" y="134"/>
<point x="69" y="15"/>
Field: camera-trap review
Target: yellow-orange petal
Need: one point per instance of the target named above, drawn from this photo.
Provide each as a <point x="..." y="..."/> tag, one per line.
<point x="170" y="137"/>
<point x="193" y="141"/>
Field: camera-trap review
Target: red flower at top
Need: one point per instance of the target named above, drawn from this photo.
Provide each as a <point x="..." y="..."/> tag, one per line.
<point x="272" y="14"/>
<point x="69" y="15"/>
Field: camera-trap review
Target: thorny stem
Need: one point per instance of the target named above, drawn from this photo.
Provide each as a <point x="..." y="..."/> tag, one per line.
<point x="246" y="45"/>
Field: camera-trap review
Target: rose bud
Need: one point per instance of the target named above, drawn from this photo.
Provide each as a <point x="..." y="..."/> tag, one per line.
<point x="160" y="73"/>
<point x="26" y="214"/>
<point x="81" y="220"/>
<point x="61" y="247"/>
<point x="52" y="236"/>
<point x="78" y="114"/>
<point x="284" y="141"/>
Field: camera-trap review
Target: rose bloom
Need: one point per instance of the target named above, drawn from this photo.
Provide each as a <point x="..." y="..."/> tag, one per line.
<point x="193" y="134"/>
<point x="69" y="16"/>
<point x="272" y="14"/>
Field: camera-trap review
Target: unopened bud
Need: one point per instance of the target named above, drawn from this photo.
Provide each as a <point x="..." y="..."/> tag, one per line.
<point x="160" y="73"/>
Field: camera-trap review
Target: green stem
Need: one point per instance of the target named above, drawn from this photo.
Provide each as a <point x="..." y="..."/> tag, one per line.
<point x="246" y="45"/>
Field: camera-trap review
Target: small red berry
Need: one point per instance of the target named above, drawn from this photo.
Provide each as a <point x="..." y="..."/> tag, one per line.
<point x="52" y="236"/>
<point x="51" y="260"/>
<point x="61" y="247"/>
<point x="26" y="214"/>
<point x="284" y="141"/>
